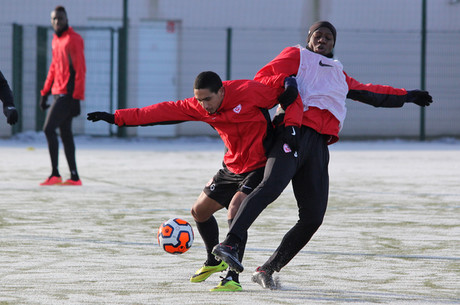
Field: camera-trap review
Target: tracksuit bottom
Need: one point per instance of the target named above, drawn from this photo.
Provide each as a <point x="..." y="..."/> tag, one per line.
<point x="310" y="181"/>
<point x="60" y="116"/>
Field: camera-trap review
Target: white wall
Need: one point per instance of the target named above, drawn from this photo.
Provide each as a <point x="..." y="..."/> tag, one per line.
<point x="378" y="41"/>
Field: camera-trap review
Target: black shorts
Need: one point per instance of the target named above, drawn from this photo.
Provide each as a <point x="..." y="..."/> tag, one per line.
<point x="223" y="186"/>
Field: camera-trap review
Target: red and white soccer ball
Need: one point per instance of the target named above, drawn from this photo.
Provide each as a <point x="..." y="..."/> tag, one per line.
<point x="175" y="236"/>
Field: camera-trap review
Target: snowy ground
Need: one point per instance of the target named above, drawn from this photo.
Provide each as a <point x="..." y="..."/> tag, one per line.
<point x="391" y="233"/>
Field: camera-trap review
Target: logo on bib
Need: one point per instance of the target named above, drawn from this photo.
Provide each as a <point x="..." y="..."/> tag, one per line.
<point x="324" y="65"/>
<point x="237" y="109"/>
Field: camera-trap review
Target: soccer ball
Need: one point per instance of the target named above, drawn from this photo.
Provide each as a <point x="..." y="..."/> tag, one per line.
<point x="175" y="236"/>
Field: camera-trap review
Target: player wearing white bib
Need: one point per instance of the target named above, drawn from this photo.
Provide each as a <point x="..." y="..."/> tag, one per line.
<point x="301" y="155"/>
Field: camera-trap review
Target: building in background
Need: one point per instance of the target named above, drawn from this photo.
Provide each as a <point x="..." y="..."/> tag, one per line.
<point x="171" y="41"/>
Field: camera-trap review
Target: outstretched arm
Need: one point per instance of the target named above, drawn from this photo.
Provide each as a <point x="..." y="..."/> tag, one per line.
<point x="161" y="113"/>
<point x="385" y="96"/>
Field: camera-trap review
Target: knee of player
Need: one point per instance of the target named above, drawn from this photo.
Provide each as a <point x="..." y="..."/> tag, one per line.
<point x="66" y="134"/>
<point x="192" y="211"/>
<point x="311" y="224"/>
<point x="273" y="187"/>
<point x="197" y="216"/>
<point x="48" y="130"/>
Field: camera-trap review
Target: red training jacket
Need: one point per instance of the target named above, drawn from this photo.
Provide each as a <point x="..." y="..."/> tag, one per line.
<point x="67" y="70"/>
<point x="240" y="121"/>
<point x="287" y="64"/>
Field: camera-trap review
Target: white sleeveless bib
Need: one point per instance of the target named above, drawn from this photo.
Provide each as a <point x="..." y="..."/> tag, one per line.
<point x="322" y="84"/>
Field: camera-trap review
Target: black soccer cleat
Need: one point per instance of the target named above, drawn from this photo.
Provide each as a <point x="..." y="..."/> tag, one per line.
<point x="264" y="279"/>
<point x="229" y="255"/>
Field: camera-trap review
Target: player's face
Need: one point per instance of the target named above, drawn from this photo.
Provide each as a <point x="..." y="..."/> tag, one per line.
<point x="58" y="20"/>
<point x="322" y="41"/>
<point x="210" y="101"/>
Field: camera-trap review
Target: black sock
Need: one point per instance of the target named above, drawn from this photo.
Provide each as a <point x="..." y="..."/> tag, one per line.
<point x="55" y="173"/>
<point x="209" y="232"/>
<point x="74" y="175"/>
<point x="232" y="240"/>
<point x="267" y="269"/>
<point x="235" y="276"/>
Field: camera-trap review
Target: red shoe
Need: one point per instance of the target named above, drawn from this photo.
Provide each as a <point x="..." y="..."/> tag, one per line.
<point x="71" y="182"/>
<point x="53" y="180"/>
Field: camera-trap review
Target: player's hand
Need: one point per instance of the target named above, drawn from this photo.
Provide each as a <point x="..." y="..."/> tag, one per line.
<point x="43" y="102"/>
<point x="278" y="118"/>
<point x="291" y="135"/>
<point x="290" y="92"/>
<point x="11" y="114"/>
<point x="104" y="116"/>
<point x="419" y="97"/>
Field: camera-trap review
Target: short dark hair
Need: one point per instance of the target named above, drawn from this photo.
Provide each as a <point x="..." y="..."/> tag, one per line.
<point x="208" y="80"/>
<point x="61" y="9"/>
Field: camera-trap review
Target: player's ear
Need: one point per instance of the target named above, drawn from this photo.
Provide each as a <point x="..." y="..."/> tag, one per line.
<point x="221" y="91"/>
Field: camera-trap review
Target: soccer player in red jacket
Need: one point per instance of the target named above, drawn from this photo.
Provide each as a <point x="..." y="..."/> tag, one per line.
<point x="238" y="111"/>
<point x="301" y="154"/>
<point x="66" y="82"/>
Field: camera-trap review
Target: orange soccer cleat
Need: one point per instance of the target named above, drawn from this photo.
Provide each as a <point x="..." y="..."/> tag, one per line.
<point x="71" y="182"/>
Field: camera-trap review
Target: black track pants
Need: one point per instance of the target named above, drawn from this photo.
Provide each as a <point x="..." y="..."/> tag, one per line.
<point x="60" y="116"/>
<point x="310" y="180"/>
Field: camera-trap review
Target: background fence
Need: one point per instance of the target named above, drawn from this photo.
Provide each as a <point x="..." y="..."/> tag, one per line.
<point x="164" y="58"/>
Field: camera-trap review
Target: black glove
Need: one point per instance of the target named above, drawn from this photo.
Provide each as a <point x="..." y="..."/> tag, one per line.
<point x="43" y="104"/>
<point x="105" y="116"/>
<point x="291" y="135"/>
<point x="290" y="92"/>
<point x="419" y="97"/>
<point x="278" y="119"/>
<point x="11" y="114"/>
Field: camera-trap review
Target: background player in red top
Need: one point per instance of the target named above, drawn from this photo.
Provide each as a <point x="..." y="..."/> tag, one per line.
<point x="6" y="96"/>
<point x="66" y="82"/>
<point x="237" y="110"/>
<point x="302" y="154"/>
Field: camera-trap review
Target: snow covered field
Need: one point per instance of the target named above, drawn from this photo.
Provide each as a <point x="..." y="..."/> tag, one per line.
<point x="391" y="233"/>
